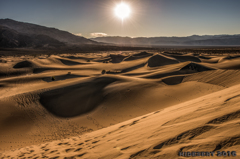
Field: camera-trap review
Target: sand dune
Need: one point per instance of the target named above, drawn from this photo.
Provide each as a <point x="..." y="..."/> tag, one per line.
<point x="111" y="105"/>
<point x="161" y="60"/>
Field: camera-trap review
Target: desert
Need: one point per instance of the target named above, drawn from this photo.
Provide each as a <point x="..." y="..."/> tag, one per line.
<point x="145" y="104"/>
<point x="119" y="79"/>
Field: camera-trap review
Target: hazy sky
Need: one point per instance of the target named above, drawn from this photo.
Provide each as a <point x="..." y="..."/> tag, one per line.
<point x="149" y="18"/>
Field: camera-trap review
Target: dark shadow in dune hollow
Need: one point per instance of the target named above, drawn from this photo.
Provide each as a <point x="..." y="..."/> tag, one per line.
<point x="138" y="56"/>
<point x="69" y="62"/>
<point x="23" y="64"/>
<point x="173" y="80"/>
<point x="160" y="60"/>
<point x="76" y="99"/>
<point x="116" y="58"/>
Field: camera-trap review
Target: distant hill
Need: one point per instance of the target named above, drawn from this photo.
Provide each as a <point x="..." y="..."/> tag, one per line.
<point x="20" y="34"/>
<point x="194" y="40"/>
<point x="10" y="38"/>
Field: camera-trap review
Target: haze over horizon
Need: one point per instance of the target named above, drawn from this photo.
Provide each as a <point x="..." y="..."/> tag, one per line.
<point x="147" y="19"/>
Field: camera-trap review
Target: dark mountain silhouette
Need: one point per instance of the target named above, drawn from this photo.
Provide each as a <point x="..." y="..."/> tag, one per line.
<point x="189" y="40"/>
<point x="20" y="34"/>
<point x="10" y="38"/>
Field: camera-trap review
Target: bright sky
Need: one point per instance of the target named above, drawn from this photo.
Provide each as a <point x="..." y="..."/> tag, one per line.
<point x="147" y="18"/>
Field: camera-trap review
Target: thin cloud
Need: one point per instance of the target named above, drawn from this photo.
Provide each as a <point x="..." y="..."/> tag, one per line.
<point x="79" y="34"/>
<point x="98" y="34"/>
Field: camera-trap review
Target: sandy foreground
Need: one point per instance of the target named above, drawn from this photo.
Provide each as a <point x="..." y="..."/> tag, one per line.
<point x="119" y="105"/>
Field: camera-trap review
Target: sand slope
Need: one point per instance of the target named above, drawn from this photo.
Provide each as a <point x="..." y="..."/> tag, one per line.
<point x="143" y="105"/>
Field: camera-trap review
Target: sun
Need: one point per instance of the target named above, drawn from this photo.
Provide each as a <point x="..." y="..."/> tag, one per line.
<point x="122" y="10"/>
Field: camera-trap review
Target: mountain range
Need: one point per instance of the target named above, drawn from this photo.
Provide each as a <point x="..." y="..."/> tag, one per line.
<point x="194" y="40"/>
<point x="15" y="34"/>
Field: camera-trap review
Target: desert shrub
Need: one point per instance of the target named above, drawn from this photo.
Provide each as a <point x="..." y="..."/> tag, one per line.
<point x="53" y="78"/>
<point x="103" y="71"/>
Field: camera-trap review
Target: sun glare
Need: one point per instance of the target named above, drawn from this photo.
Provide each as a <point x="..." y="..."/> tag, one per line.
<point x="122" y="10"/>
